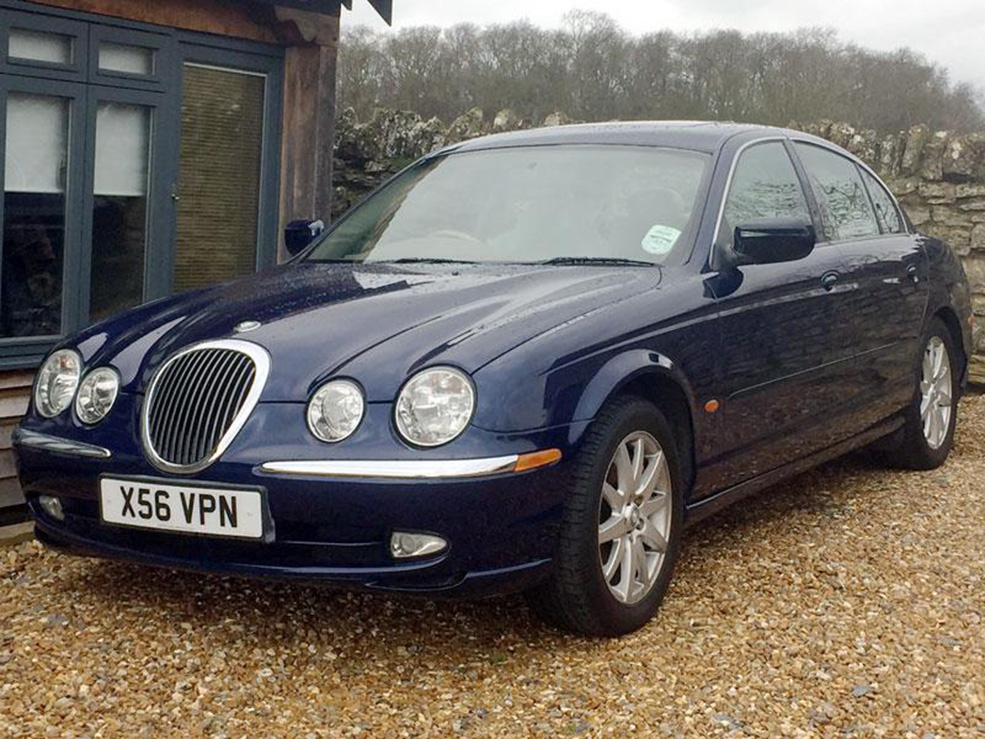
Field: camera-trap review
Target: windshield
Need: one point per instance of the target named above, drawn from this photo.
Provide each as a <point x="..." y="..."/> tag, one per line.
<point x="529" y="204"/>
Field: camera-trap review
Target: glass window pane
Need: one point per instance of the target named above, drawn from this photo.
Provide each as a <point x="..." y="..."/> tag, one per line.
<point x="37" y="46"/>
<point x="765" y="185"/>
<point x="839" y="192"/>
<point x="128" y="59"/>
<point x="119" y="219"/>
<point x="218" y="176"/>
<point x="888" y="214"/>
<point x="34" y="215"/>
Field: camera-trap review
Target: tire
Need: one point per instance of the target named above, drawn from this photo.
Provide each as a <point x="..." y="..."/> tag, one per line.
<point x="915" y="446"/>
<point x="577" y="596"/>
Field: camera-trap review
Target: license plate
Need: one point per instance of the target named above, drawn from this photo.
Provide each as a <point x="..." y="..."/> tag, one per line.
<point x="190" y="509"/>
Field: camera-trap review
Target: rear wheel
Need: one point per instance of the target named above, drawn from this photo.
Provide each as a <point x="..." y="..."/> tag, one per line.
<point x="621" y="531"/>
<point x="928" y="433"/>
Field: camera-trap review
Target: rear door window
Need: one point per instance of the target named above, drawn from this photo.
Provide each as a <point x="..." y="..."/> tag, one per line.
<point x="841" y="196"/>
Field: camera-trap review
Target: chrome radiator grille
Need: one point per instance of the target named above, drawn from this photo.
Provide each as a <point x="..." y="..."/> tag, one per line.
<point x="198" y="401"/>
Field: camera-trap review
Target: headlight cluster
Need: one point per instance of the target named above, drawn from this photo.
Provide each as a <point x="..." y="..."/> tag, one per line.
<point x="335" y="410"/>
<point x="433" y="408"/>
<point x="96" y="395"/>
<point x="58" y="384"/>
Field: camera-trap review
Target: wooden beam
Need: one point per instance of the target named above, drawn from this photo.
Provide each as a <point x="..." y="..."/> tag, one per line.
<point x="255" y="21"/>
<point x="309" y="125"/>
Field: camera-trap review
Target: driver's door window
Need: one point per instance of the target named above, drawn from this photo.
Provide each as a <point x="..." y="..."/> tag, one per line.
<point x="764" y="185"/>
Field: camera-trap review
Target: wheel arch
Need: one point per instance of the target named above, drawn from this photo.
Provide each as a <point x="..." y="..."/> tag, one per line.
<point x="653" y="377"/>
<point x="950" y="319"/>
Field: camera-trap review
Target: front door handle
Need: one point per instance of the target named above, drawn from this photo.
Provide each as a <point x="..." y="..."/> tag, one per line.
<point x="828" y="280"/>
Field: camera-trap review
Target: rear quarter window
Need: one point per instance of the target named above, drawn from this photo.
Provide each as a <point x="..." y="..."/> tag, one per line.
<point x="886" y="211"/>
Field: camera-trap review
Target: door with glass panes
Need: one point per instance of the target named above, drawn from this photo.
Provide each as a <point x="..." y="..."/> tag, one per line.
<point x="135" y="164"/>
<point x="84" y="124"/>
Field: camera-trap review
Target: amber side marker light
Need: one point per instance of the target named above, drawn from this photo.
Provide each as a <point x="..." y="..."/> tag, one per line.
<point x="533" y="460"/>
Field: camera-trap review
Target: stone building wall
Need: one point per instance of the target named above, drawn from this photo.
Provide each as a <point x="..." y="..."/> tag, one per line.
<point x="939" y="177"/>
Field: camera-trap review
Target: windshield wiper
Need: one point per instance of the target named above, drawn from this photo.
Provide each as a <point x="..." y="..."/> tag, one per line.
<point x="599" y="260"/>
<point x="425" y="260"/>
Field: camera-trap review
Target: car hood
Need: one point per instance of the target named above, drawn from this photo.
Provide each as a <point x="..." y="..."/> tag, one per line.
<point x="374" y="323"/>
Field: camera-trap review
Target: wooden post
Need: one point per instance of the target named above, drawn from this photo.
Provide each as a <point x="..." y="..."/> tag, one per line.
<point x="309" y="120"/>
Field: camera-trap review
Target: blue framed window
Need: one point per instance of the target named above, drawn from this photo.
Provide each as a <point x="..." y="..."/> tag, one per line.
<point x="124" y="150"/>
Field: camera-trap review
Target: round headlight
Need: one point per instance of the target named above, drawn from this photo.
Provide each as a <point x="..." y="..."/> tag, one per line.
<point x="435" y="406"/>
<point x="335" y="410"/>
<point x="56" y="383"/>
<point x="96" y="395"/>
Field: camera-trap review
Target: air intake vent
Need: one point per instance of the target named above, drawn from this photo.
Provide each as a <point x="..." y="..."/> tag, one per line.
<point x="198" y="401"/>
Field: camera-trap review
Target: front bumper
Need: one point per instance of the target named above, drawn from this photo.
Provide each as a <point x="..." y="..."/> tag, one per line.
<point x="326" y="525"/>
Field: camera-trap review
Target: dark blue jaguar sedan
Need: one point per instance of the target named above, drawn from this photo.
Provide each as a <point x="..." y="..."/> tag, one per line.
<point x="527" y="362"/>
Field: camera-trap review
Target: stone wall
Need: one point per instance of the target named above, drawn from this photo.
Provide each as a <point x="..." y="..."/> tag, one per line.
<point x="938" y="177"/>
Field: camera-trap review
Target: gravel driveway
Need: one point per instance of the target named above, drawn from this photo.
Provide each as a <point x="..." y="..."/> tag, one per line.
<point x="848" y="601"/>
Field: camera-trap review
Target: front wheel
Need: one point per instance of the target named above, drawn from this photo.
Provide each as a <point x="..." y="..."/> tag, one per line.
<point x="621" y="530"/>
<point x="928" y="433"/>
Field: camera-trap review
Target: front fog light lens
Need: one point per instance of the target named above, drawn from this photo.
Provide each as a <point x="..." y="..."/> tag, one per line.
<point x="56" y="383"/>
<point x="435" y="406"/>
<point x="52" y="506"/>
<point x="404" y="545"/>
<point x="335" y="410"/>
<point x="96" y="396"/>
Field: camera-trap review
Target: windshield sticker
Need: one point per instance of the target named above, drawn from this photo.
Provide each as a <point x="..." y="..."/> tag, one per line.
<point x="660" y="240"/>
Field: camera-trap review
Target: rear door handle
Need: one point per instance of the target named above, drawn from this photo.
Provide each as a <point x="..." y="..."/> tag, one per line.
<point x="828" y="280"/>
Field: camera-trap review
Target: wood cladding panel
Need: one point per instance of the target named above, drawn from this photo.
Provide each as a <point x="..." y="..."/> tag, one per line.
<point x="245" y="20"/>
<point x="15" y="392"/>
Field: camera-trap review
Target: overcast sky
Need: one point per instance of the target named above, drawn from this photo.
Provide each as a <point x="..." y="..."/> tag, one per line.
<point x="950" y="32"/>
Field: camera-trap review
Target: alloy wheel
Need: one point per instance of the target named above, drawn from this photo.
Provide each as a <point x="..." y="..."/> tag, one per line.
<point x="634" y="517"/>
<point x="935" y="393"/>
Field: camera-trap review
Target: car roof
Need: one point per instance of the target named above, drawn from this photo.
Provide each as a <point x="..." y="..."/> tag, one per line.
<point x="704" y="136"/>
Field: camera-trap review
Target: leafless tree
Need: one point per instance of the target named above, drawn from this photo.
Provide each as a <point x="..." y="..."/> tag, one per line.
<point x="592" y="69"/>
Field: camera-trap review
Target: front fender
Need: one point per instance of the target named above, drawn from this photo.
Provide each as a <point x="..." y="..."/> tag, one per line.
<point x="511" y="399"/>
<point x="623" y="369"/>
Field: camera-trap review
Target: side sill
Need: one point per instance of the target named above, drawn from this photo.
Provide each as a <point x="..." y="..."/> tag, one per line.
<point x="711" y="505"/>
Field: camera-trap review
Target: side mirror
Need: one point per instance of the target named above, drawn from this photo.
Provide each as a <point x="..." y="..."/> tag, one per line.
<point x="298" y="234"/>
<point x="772" y="240"/>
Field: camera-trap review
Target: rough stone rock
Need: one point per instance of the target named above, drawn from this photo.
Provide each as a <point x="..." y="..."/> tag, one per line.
<point x="974" y="268"/>
<point x="841" y="134"/>
<point x="507" y="120"/>
<point x="947" y="216"/>
<point x="426" y="136"/>
<point x="978" y="237"/>
<point x="865" y="145"/>
<point x="557" y="119"/>
<point x="466" y="126"/>
<point x="919" y="214"/>
<point x="889" y="157"/>
<point x="960" y="160"/>
<point x="970" y="190"/>
<point x="936" y="193"/>
<point x="932" y="167"/>
<point x="916" y="140"/>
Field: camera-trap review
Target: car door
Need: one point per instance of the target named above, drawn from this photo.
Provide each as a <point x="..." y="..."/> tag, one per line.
<point x="782" y="362"/>
<point x="886" y="280"/>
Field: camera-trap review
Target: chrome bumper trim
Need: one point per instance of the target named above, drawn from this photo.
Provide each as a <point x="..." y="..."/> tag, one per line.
<point x="414" y="469"/>
<point x="57" y="445"/>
